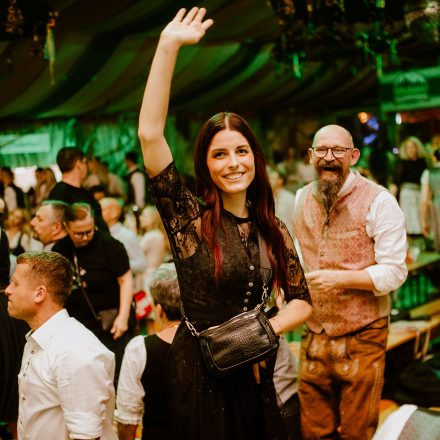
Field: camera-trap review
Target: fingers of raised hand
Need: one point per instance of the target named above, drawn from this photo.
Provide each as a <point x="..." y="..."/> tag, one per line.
<point x="193" y="15"/>
<point x="179" y="16"/>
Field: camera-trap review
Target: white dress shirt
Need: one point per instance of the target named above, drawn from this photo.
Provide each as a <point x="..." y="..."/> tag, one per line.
<point x="129" y="398"/>
<point x="385" y="224"/>
<point x="65" y="383"/>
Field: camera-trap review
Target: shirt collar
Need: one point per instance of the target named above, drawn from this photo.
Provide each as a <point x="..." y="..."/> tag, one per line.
<point x="348" y="181"/>
<point x="43" y="334"/>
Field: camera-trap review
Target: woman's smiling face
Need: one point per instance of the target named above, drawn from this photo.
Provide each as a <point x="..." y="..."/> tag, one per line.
<point x="230" y="161"/>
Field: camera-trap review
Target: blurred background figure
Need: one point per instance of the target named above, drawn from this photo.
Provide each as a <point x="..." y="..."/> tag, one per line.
<point x="99" y="175"/>
<point x="407" y="182"/>
<point x="13" y="195"/>
<point x="430" y="203"/>
<point x="143" y="388"/>
<point x="135" y="181"/>
<point x="284" y="199"/>
<point x="19" y="233"/>
<point x="154" y="241"/>
<point x="112" y="211"/>
<point x="12" y="340"/>
<point x="48" y="183"/>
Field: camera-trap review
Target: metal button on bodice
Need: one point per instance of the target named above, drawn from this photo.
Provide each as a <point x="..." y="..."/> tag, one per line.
<point x="251" y="284"/>
<point x="246" y="301"/>
<point x="251" y="267"/>
<point x="248" y="293"/>
<point x="244" y="309"/>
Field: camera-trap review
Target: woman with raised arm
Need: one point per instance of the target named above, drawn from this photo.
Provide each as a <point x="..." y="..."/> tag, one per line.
<point x="214" y="242"/>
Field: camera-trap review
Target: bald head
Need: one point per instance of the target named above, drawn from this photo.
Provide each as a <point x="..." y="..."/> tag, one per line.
<point x="111" y="210"/>
<point x="335" y="131"/>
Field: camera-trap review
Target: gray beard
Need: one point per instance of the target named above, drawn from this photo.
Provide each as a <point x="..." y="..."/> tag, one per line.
<point x="328" y="190"/>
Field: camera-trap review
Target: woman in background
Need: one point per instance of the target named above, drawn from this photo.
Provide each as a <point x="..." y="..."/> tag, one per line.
<point x="407" y="182"/>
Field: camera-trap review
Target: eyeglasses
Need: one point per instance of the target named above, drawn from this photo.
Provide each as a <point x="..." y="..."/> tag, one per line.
<point x="338" y="152"/>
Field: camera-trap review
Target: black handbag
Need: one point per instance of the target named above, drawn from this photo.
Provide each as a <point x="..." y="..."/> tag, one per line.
<point x="243" y="340"/>
<point x="104" y="317"/>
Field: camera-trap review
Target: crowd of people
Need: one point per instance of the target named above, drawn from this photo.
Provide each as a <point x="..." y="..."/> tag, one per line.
<point x="79" y="249"/>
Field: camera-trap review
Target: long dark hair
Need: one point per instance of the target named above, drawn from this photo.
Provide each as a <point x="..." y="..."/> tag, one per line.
<point x="259" y="194"/>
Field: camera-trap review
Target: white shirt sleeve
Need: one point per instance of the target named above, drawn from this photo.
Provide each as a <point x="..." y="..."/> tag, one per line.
<point x="138" y="182"/>
<point x="79" y="377"/>
<point x="385" y="223"/>
<point x="129" y="398"/>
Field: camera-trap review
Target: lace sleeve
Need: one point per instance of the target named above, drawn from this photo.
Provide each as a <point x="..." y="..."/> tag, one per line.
<point x="179" y="210"/>
<point x="296" y="282"/>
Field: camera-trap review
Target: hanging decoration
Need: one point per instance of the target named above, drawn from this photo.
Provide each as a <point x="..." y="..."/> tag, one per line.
<point x="33" y="20"/>
<point x="367" y="32"/>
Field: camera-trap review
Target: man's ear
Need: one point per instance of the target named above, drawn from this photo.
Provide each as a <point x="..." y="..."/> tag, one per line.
<point x="355" y="155"/>
<point x="310" y="152"/>
<point x="40" y="294"/>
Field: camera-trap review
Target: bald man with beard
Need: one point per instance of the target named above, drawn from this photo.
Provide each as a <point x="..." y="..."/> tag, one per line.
<point x="352" y="239"/>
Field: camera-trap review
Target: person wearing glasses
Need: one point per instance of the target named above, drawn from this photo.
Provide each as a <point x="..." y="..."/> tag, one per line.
<point x="351" y="233"/>
<point x="104" y="285"/>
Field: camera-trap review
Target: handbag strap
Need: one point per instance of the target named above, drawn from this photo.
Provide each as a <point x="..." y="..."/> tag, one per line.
<point x="265" y="271"/>
<point x="81" y="288"/>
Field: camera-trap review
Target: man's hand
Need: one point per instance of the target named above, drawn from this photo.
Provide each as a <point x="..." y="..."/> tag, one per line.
<point x="120" y="326"/>
<point x="321" y="281"/>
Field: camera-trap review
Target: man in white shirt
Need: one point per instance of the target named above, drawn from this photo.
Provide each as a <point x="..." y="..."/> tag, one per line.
<point x="48" y="223"/>
<point x="66" y="377"/>
<point x="352" y="239"/>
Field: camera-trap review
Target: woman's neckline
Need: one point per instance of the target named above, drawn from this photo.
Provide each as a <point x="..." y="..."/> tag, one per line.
<point x="238" y="219"/>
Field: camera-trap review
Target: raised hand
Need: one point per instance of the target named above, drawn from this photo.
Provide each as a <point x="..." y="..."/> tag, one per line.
<point x="188" y="29"/>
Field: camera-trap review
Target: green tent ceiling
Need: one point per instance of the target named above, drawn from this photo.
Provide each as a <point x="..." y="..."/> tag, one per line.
<point x="104" y="48"/>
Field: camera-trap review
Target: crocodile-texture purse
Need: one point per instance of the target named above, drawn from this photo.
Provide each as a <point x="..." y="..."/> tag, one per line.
<point x="241" y="341"/>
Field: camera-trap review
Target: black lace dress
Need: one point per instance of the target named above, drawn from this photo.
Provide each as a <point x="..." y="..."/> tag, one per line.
<point x="205" y="407"/>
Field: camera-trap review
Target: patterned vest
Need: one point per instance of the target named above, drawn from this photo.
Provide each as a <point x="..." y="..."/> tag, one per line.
<point x="338" y="241"/>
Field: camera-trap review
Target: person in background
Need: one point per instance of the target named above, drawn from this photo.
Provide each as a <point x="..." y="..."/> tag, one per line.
<point x="214" y="241"/>
<point x="73" y="166"/>
<point x="18" y="232"/>
<point x="98" y="192"/>
<point x="112" y="211"/>
<point x="49" y="182"/>
<point x="48" y="223"/>
<point x="353" y="242"/>
<point x="430" y="201"/>
<point x="407" y="182"/>
<point x="100" y="176"/>
<point x="135" y="181"/>
<point x="143" y="387"/>
<point x="66" y="376"/>
<point x="12" y="194"/>
<point x="284" y="199"/>
<point x="154" y="242"/>
<point x="12" y="340"/>
<point x="103" y="292"/>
